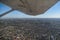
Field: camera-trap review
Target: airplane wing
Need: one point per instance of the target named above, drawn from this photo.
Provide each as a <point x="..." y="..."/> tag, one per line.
<point x="31" y="7"/>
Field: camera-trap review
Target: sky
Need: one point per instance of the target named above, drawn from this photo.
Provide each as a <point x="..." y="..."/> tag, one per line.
<point x="53" y="12"/>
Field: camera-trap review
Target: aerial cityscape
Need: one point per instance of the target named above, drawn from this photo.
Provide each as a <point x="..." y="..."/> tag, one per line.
<point x="30" y="29"/>
<point x="29" y="19"/>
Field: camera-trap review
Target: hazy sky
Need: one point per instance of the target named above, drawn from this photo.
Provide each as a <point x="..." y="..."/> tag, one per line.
<point x="53" y="12"/>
